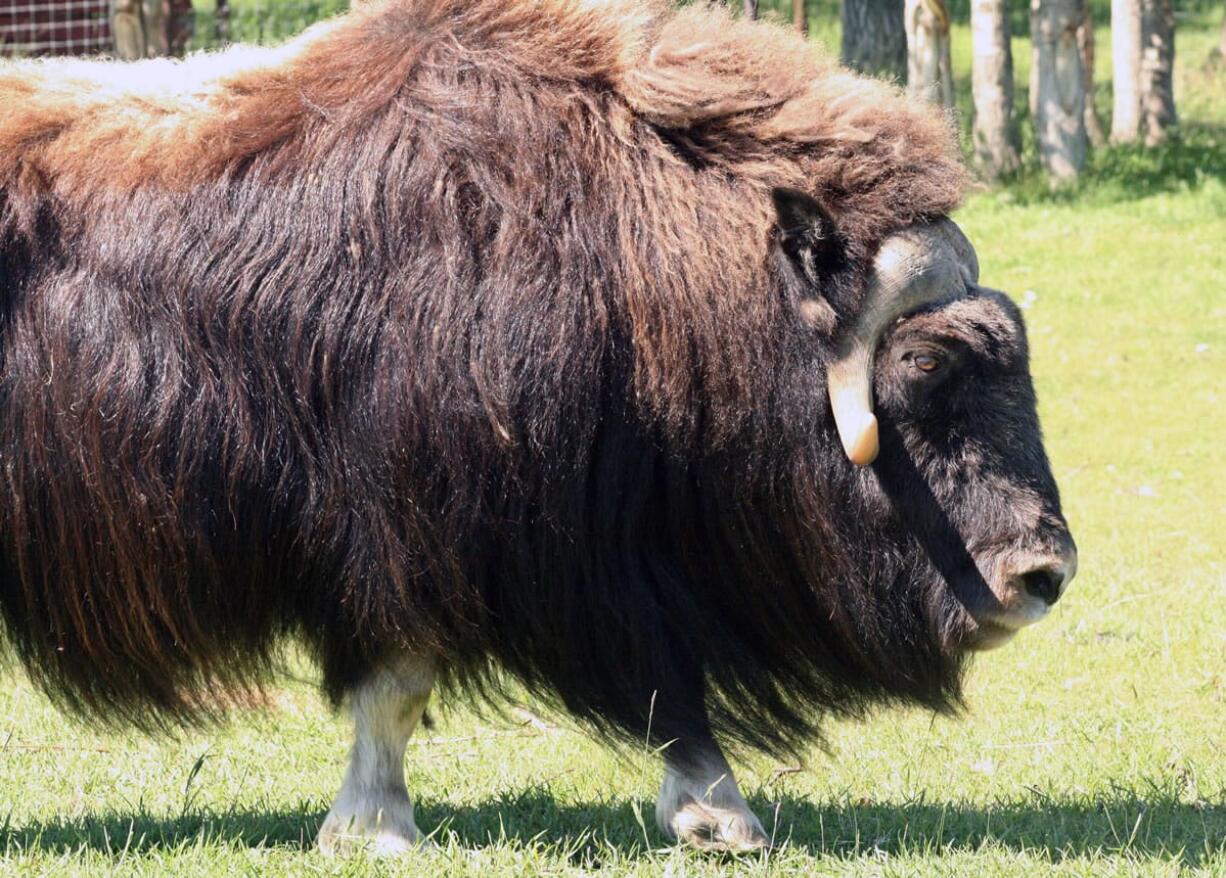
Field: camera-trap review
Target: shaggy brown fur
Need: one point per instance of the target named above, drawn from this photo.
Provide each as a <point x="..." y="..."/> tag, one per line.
<point x="653" y="109"/>
<point x="453" y="326"/>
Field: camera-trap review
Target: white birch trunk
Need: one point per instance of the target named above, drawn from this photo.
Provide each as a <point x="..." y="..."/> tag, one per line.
<point x="1057" y="90"/>
<point x="128" y="28"/>
<point x="1125" y="69"/>
<point x="156" y="43"/>
<point x="929" y="72"/>
<point x="1221" y="43"/>
<point x="994" y="134"/>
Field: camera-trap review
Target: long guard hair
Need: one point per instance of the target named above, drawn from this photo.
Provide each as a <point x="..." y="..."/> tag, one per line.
<point x="452" y="327"/>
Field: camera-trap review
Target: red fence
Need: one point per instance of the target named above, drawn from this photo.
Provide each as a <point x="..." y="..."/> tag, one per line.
<point x="55" y="27"/>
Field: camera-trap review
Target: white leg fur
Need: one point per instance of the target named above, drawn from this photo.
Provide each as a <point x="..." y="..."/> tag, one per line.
<point x="373" y="807"/>
<point x="700" y="805"/>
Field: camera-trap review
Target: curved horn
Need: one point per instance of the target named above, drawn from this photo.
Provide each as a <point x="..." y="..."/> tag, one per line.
<point x="916" y="266"/>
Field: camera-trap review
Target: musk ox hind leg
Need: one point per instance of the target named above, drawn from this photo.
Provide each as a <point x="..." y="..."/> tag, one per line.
<point x="373" y="807"/>
<point x="700" y="804"/>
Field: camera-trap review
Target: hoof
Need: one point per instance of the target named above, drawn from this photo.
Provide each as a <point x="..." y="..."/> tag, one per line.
<point x="711" y="828"/>
<point x="384" y="832"/>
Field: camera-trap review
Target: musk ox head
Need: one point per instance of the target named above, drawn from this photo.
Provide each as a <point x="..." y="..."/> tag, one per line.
<point x="931" y="398"/>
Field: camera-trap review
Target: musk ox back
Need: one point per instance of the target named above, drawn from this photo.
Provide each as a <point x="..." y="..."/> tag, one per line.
<point x="473" y="340"/>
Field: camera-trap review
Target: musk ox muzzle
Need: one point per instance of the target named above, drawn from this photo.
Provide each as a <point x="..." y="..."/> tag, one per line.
<point x="1024" y="590"/>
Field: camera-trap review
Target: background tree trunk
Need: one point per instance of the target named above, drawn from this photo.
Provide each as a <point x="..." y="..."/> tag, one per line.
<point x="1057" y="89"/>
<point x="995" y="135"/>
<point x="1085" y="43"/>
<point x="1125" y="69"/>
<point x="1221" y="43"/>
<point x="180" y="25"/>
<point x="1156" y="85"/>
<point x="221" y="23"/>
<point x="156" y="43"/>
<point x="751" y="9"/>
<point x="874" y="38"/>
<point x="800" y="16"/>
<point x="929" y="71"/>
<point x="151" y="28"/>
<point x="128" y="28"/>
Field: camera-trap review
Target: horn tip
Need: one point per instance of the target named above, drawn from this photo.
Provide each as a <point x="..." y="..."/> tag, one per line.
<point x="863" y="447"/>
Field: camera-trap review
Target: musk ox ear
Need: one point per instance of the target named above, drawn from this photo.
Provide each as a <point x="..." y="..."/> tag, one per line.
<point x="810" y="241"/>
<point x="805" y="227"/>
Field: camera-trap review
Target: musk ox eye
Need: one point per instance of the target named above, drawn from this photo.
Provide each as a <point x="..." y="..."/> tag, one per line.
<point x="926" y="362"/>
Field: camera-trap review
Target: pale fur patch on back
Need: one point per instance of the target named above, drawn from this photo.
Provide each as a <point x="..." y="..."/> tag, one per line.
<point x="75" y="124"/>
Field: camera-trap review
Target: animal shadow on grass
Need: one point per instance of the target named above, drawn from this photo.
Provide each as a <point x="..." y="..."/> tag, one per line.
<point x="1157" y="826"/>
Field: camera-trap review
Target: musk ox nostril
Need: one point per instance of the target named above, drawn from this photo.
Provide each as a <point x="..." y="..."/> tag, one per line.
<point x="1044" y="582"/>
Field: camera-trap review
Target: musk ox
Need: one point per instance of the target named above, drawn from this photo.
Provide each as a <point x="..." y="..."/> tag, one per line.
<point x="622" y="352"/>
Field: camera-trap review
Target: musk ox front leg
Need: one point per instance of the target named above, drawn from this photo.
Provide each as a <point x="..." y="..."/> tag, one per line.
<point x="700" y="804"/>
<point x="373" y="806"/>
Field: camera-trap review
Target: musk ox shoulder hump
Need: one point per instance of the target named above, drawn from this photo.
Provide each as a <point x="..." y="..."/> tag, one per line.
<point x="748" y="97"/>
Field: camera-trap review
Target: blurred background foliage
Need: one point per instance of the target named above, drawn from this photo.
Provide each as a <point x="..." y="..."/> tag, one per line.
<point x="1196" y="152"/>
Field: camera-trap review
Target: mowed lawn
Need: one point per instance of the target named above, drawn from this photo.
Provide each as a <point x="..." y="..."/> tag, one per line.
<point x="1094" y="745"/>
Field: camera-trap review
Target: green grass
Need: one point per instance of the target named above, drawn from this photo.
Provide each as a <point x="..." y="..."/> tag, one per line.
<point x="262" y="21"/>
<point x="1094" y="744"/>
